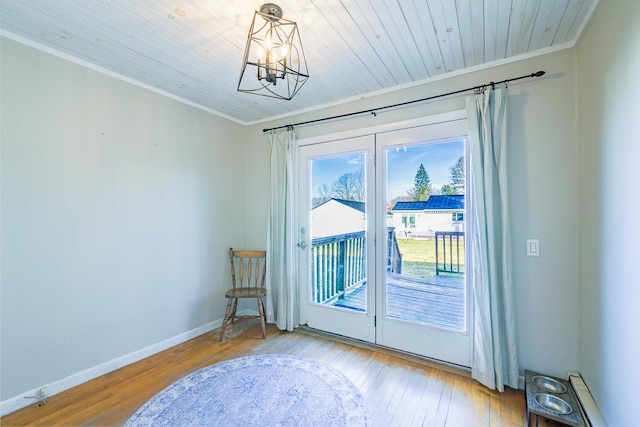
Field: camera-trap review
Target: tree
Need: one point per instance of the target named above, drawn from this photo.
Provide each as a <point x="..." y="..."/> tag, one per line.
<point x="456" y="172"/>
<point x="458" y="176"/>
<point x="448" y="189"/>
<point x="422" y="188"/>
<point x="350" y="186"/>
<point x="397" y="199"/>
<point x="324" y="194"/>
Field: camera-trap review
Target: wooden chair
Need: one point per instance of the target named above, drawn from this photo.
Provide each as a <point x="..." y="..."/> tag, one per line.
<point x="248" y="282"/>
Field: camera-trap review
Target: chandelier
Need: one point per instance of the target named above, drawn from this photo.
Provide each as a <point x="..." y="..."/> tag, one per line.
<point x="274" y="63"/>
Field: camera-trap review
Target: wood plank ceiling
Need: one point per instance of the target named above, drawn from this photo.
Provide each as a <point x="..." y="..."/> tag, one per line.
<point x="192" y="50"/>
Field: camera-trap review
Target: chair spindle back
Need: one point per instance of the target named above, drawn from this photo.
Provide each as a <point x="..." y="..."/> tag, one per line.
<point x="251" y="268"/>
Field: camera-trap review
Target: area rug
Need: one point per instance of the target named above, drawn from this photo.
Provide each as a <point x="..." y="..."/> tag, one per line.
<point x="259" y="390"/>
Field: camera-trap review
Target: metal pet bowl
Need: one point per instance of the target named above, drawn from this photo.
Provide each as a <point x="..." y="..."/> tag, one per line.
<point x="553" y="403"/>
<point x="549" y="384"/>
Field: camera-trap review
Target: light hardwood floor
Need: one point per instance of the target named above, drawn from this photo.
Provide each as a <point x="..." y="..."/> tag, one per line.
<point x="399" y="390"/>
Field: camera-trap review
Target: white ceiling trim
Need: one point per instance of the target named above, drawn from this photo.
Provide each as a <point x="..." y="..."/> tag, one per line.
<point x="187" y="51"/>
<point x="457" y="73"/>
<point x="46" y="49"/>
<point x="439" y="77"/>
<point x="585" y="22"/>
<point x="368" y="95"/>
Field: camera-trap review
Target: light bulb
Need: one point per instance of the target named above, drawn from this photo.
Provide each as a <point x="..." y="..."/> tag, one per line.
<point x="268" y="40"/>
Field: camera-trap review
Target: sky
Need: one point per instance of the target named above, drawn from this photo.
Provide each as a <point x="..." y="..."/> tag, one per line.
<point x="402" y="165"/>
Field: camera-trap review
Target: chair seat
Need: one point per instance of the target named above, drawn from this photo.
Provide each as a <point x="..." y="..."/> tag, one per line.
<point x="246" y="293"/>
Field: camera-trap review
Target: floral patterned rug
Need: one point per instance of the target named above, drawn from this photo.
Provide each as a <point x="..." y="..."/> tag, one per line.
<point x="259" y="390"/>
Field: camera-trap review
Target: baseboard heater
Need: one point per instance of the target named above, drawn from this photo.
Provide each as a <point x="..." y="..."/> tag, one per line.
<point x="588" y="407"/>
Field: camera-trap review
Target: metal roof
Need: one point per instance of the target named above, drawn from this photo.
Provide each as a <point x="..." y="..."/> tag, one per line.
<point x="436" y="202"/>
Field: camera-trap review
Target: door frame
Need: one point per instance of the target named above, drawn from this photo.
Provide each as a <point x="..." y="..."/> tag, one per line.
<point x="442" y="118"/>
<point x="385" y="127"/>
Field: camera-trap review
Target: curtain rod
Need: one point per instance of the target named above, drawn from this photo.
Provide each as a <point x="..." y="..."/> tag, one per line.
<point x="373" y="110"/>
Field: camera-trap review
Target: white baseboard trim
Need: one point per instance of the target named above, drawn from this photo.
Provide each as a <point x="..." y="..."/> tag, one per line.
<point x="28" y="398"/>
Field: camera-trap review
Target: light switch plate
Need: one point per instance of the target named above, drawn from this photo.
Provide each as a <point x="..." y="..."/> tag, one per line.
<point x="533" y="247"/>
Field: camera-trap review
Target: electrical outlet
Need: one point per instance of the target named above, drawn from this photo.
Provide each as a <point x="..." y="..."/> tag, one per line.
<point x="44" y="392"/>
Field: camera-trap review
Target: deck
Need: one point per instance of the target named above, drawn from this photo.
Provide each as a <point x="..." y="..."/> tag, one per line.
<point x="438" y="301"/>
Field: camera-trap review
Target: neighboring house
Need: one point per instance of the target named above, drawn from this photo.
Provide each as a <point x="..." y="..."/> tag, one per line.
<point x="337" y="216"/>
<point x="424" y="218"/>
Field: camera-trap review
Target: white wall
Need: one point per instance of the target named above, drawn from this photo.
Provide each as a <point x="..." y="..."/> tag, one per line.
<point x="609" y="135"/>
<point x="118" y="208"/>
<point x="427" y="223"/>
<point x="543" y="171"/>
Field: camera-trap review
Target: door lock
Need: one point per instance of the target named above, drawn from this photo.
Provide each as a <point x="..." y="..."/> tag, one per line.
<point x="302" y="244"/>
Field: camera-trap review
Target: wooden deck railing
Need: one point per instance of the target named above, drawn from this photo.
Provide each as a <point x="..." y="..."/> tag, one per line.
<point x="394" y="257"/>
<point x="338" y="264"/>
<point x="449" y="252"/>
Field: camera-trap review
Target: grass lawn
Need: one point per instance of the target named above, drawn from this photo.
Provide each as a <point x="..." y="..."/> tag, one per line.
<point x="419" y="257"/>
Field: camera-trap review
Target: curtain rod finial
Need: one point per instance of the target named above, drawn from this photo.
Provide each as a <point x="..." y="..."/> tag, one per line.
<point x="538" y="74"/>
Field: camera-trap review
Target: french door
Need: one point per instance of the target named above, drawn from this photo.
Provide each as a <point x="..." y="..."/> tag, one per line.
<point x="339" y="236"/>
<point x="381" y="263"/>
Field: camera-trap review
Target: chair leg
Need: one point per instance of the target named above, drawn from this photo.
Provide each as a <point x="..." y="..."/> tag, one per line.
<point x="262" y="320"/>
<point x="226" y="319"/>
<point x="233" y="312"/>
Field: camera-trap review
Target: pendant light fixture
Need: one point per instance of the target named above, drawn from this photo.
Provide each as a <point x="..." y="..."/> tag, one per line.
<point x="274" y="63"/>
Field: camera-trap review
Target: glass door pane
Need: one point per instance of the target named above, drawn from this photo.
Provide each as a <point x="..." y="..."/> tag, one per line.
<point x="338" y="231"/>
<point x="425" y="186"/>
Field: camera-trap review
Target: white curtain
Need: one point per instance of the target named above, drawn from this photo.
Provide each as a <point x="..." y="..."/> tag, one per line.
<point x="282" y="291"/>
<point x="494" y="361"/>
